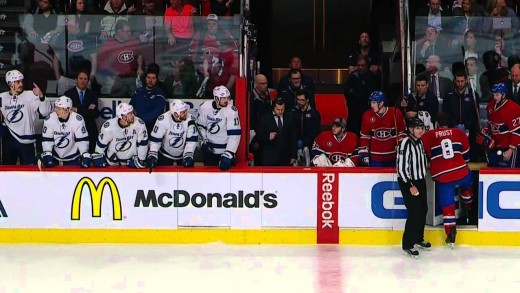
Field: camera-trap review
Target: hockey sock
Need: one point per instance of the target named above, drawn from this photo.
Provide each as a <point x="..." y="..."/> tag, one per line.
<point x="466" y="196"/>
<point x="448" y="217"/>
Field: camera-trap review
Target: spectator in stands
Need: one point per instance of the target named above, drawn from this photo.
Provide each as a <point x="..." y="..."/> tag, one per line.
<point x="306" y="119"/>
<point x="182" y="82"/>
<point x="288" y="94"/>
<point x="261" y="103"/>
<point x="422" y="100"/>
<point x="122" y="61"/>
<point x="470" y="45"/>
<point x="143" y="28"/>
<point x="473" y="74"/>
<point x="436" y="15"/>
<point x="85" y="103"/>
<point x="365" y="49"/>
<point x="461" y="107"/>
<point x="216" y="73"/>
<point x="494" y="74"/>
<point x="149" y="102"/>
<point x="513" y="84"/>
<point x="472" y="16"/>
<point x="114" y="10"/>
<point x="501" y="48"/>
<point x="221" y="7"/>
<point x="79" y="14"/>
<point x="277" y="136"/>
<point x="211" y="37"/>
<point x="43" y="25"/>
<point x="178" y="26"/>
<point x="431" y="44"/>
<point x="439" y="85"/>
<point x="306" y="81"/>
<point x="358" y="88"/>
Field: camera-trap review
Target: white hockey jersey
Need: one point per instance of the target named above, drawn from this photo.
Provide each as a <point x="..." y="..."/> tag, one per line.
<point x="174" y="139"/>
<point x="121" y="144"/>
<point x="20" y="112"/>
<point x="67" y="140"/>
<point x="220" y="128"/>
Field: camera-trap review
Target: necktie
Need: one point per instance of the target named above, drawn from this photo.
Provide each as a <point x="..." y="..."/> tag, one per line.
<point x="81" y="97"/>
<point x="434" y="86"/>
<point x="280" y="125"/>
<point x="515" y="91"/>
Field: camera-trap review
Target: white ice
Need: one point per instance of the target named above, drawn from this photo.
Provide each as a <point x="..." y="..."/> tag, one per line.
<point x="255" y="268"/>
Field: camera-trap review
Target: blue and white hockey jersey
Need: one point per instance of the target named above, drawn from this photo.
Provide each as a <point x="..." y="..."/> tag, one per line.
<point x="220" y="128"/>
<point x="175" y="140"/>
<point x="67" y="140"/>
<point x="20" y="112"/>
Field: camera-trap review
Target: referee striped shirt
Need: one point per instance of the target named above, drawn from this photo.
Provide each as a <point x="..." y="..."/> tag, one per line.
<point x="411" y="160"/>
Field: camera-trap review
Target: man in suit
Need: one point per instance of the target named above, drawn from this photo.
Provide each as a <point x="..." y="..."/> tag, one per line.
<point x="440" y="86"/>
<point x="85" y="103"/>
<point x="277" y="135"/>
<point x="514" y="84"/>
<point x="432" y="44"/>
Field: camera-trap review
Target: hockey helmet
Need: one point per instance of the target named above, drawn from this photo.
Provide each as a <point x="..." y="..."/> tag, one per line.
<point x="63" y="102"/>
<point x="13" y="75"/>
<point x="415" y="122"/>
<point x="499" y="88"/>
<point x="220" y="92"/>
<point x="123" y="109"/>
<point x="177" y="106"/>
<point x="378" y="97"/>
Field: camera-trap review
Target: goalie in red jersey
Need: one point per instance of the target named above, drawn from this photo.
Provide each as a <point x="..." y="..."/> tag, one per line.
<point x="337" y="147"/>
<point x="448" y="150"/>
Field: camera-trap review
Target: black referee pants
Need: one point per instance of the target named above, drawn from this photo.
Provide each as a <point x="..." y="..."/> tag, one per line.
<point x="417" y="208"/>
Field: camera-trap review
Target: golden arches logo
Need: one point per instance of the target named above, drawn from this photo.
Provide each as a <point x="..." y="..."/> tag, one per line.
<point x="96" y="196"/>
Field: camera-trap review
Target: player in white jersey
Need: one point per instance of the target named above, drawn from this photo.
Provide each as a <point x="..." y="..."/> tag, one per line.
<point x="122" y="140"/>
<point x="173" y="138"/>
<point x="220" y="131"/>
<point x="64" y="137"/>
<point x="19" y="109"/>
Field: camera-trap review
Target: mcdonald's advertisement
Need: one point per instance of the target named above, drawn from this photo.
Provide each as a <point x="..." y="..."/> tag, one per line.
<point x="161" y="200"/>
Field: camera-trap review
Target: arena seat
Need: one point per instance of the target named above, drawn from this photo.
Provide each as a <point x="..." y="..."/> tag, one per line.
<point x="330" y="107"/>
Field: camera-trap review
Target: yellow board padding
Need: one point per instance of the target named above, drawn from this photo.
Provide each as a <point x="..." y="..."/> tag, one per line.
<point x="435" y="237"/>
<point x="163" y="236"/>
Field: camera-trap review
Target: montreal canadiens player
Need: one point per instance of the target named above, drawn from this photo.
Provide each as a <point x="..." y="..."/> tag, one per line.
<point x="122" y="140"/>
<point x="381" y="129"/>
<point x="502" y="137"/>
<point x="173" y="138"/>
<point x="336" y="148"/>
<point x="448" y="150"/>
<point x="19" y="110"/>
<point x="64" y="137"/>
<point x="220" y="131"/>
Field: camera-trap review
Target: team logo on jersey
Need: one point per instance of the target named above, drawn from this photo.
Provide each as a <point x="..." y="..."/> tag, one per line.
<point x="336" y="156"/>
<point x="372" y="119"/>
<point x="14" y="116"/>
<point x="126" y="56"/>
<point x="123" y="146"/>
<point x="61" y="142"/>
<point x="161" y="118"/>
<point x="214" y="128"/>
<point x="75" y="46"/>
<point x="176" y="142"/>
<point x="329" y="143"/>
<point x="383" y="133"/>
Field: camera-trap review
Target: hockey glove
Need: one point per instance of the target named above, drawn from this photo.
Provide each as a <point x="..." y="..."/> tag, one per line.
<point x="484" y="139"/>
<point x="188" y="161"/>
<point x="134" y="162"/>
<point x="85" y="160"/>
<point x="226" y="161"/>
<point x="151" y="161"/>
<point x="47" y="159"/>
<point x="99" y="160"/>
<point x="364" y="157"/>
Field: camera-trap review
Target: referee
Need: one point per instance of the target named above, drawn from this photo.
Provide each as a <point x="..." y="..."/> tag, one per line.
<point x="411" y="172"/>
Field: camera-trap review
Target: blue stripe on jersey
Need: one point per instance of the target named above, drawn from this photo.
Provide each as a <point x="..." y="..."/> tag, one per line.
<point x="234" y="132"/>
<point x="81" y="139"/>
<point x="143" y="143"/>
<point x="217" y="145"/>
<point x="437" y="151"/>
<point x="47" y="139"/>
<point x="25" y="137"/>
<point x="66" y="158"/>
<point x="192" y="138"/>
<point x="99" y="144"/>
<point x="503" y="128"/>
<point x="155" y="139"/>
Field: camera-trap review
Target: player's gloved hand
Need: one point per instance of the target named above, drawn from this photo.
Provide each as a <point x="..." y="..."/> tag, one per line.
<point x="300" y="144"/>
<point x="364" y="157"/>
<point x="151" y="160"/>
<point x="99" y="160"/>
<point x="47" y="159"/>
<point x="205" y="148"/>
<point x="484" y="139"/>
<point x="134" y="162"/>
<point x="86" y="158"/>
<point x="188" y="161"/>
<point x="226" y="161"/>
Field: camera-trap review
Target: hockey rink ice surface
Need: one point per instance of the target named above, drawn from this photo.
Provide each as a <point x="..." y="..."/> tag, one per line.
<point x="255" y="268"/>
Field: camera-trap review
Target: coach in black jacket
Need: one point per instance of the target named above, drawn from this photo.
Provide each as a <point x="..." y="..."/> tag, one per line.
<point x="278" y="141"/>
<point x="87" y="107"/>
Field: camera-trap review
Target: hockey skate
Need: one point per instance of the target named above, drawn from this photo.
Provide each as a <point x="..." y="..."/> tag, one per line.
<point x="411" y="253"/>
<point x="450" y="238"/>
<point x="424" y="245"/>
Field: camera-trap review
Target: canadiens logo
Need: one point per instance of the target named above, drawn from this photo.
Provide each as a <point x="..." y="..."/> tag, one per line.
<point x="126" y="56"/>
<point x="329" y="143"/>
<point x="495" y="128"/>
<point x="466" y="99"/>
<point x="75" y="46"/>
<point x="372" y="119"/>
<point x="383" y="133"/>
<point x="336" y="156"/>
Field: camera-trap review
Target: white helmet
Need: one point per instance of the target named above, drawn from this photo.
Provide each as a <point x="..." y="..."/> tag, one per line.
<point x="13" y="75"/>
<point x="220" y="92"/>
<point x="177" y="106"/>
<point x="123" y="109"/>
<point x="63" y="102"/>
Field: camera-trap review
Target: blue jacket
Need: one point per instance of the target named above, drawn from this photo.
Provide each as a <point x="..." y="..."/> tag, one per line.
<point x="149" y="105"/>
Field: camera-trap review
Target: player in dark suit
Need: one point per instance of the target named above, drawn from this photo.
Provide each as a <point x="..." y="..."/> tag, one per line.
<point x="278" y="141"/>
<point x="85" y="103"/>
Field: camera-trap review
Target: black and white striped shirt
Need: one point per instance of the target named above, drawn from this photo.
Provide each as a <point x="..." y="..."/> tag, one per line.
<point x="411" y="160"/>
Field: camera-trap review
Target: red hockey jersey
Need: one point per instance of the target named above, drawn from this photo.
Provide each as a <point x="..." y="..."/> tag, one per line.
<point x="379" y="133"/>
<point x="327" y="143"/>
<point x="448" y="150"/>
<point x="504" y="123"/>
